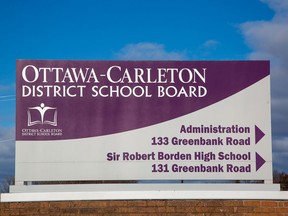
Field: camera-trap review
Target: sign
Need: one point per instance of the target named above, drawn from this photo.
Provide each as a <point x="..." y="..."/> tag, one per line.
<point x="143" y="120"/>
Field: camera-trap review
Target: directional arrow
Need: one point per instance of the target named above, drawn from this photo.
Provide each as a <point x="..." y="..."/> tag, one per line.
<point x="258" y="134"/>
<point x="259" y="161"/>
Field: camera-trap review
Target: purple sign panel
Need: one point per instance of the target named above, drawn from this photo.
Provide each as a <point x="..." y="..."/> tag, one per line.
<point x="80" y="99"/>
<point x="165" y="118"/>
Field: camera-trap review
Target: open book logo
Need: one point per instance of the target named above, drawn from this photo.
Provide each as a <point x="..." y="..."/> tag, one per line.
<point x="42" y="115"/>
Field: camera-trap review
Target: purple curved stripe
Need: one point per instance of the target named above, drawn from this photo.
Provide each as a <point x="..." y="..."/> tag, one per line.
<point x="95" y="116"/>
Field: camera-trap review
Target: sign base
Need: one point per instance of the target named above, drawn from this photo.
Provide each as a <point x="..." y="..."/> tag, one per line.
<point x="34" y="193"/>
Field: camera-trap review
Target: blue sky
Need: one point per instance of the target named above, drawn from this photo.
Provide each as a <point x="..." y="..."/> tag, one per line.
<point x="137" y="29"/>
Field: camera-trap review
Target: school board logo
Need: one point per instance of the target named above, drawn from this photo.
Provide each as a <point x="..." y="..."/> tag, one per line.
<point x="42" y="115"/>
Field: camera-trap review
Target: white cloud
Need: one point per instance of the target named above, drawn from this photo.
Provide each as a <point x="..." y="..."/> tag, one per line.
<point x="148" y="51"/>
<point x="280" y="153"/>
<point x="210" y="44"/>
<point x="280" y="6"/>
<point x="7" y="151"/>
<point x="4" y="88"/>
<point x="280" y="145"/>
<point x="7" y="139"/>
<point x="7" y="98"/>
<point x="269" y="40"/>
<point x="207" y="49"/>
<point x="280" y="161"/>
<point x="280" y="115"/>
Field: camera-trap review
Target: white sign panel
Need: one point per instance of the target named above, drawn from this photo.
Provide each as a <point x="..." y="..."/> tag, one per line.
<point x="143" y="120"/>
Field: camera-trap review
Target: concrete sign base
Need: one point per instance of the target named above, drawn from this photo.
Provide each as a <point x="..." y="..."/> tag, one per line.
<point x="143" y="191"/>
